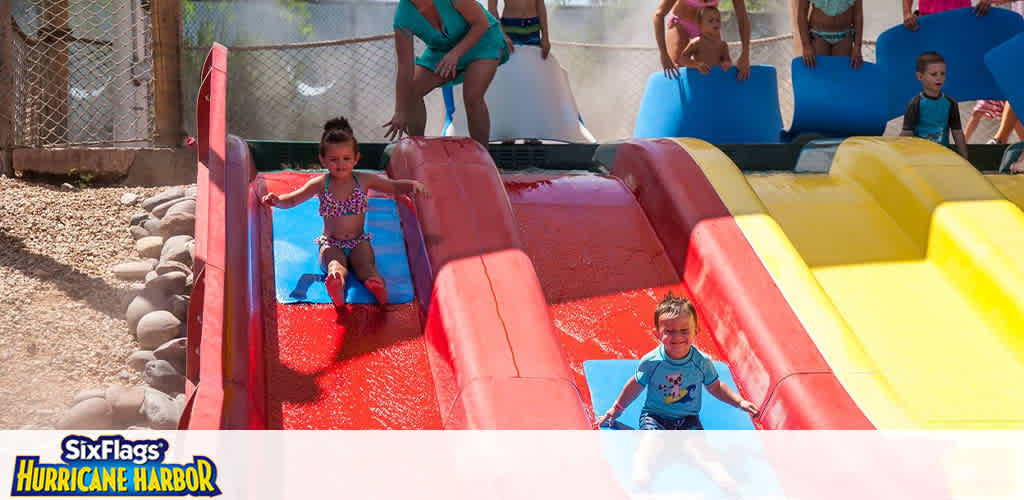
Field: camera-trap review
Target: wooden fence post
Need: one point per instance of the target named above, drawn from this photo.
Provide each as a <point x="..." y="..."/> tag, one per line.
<point x="7" y="104"/>
<point x="167" y="94"/>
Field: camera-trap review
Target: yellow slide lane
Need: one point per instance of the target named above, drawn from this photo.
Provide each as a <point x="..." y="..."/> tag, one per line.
<point x="1012" y="187"/>
<point x="907" y="270"/>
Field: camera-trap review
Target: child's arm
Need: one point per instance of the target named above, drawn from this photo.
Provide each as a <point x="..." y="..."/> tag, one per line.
<point x="630" y="391"/>
<point x="910" y="117"/>
<point x="295" y="197"/>
<point x="726" y="61"/>
<point x="856" y="59"/>
<point x="804" y="28"/>
<point x="659" y="35"/>
<point x="955" y="128"/>
<point x="385" y="185"/>
<point x="726" y="394"/>
<point x="689" y="62"/>
<point x="545" y="42"/>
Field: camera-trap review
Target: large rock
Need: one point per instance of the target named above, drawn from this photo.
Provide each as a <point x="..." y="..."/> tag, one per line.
<point x="138" y="359"/>
<point x="185" y="206"/>
<point x="128" y="199"/>
<point x="175" y="224"/>
<point x="88" y="394"/>
<point x="156" y="328"/>
<point x="146" y="302"/>
<point x="152" y="225"/>
<point x="177" y="248"/>
<point x="125" y="403"/>
<point x="138" y="232"/>
<point x="150" y="246"/>
<point x="130" y="271"/>
<point x="172" y="283"/>
<point x="178" y="306"/>
<point x="160" y="410"/>
<point x="173" y="351"/>
<point x="192" y="192"/>
<point x="161" y="209"/>
<point x="163" y="197"/>
<point x="92" y="413"/>
<point x="172" y="265"/>
<point x="162" y="376"/>
<point x="138" y="219"/>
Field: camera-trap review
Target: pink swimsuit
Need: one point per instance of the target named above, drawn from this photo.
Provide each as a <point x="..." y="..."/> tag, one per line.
<point x="357" y="203"/>
<point x="691" y="28"/>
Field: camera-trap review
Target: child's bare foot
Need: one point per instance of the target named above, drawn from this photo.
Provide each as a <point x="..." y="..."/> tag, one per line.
<point x="336" y="289"/>
<point x="377" y="288"/>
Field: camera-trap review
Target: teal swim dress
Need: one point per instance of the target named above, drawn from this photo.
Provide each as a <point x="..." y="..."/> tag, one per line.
<point x="453" y="27"/>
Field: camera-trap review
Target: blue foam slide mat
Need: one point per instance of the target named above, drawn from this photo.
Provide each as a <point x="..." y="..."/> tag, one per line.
<point x="297" y="274"/>
<point x="715" y="107"/>
<point x="962" y="38"/>
<point x="836" y="100"/>
<point x="661" y="108"/>
<point x="605" y="378"/>
<point x="1005" y="63"/>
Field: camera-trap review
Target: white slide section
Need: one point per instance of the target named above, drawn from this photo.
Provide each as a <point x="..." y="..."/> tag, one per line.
<point x="530" y="98"/>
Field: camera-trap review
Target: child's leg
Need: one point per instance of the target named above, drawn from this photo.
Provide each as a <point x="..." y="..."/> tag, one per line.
<point x="332" y="262"/>
<point x="365" y="266"/>
<point x="972" y="124"/>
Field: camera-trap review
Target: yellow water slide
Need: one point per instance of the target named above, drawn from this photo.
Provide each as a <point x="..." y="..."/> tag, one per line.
<point x="906" y="267"/>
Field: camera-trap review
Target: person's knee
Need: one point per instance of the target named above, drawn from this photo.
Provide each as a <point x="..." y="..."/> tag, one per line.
<point x="474" y="101"/>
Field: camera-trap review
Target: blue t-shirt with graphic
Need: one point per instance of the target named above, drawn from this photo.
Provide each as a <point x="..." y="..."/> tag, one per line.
<point x="932" y="117"/>
<point x="673" y="385"/>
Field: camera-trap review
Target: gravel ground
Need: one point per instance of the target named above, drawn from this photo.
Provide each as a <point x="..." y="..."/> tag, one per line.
<point x="62" y="326"/>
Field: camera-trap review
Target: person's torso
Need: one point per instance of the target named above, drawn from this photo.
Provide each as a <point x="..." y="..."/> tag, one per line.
<point x="674" y="387"/>
<point x="451" y="30"/>
<point x="343" y="208"/>
<point x="831" y="15"/>
<point x="519" y="9"/>
<point x="933" y="118"/>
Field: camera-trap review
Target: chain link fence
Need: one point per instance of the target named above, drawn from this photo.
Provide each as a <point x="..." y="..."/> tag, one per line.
<point x="287" y="91"/>
<point x="82" y="73"/>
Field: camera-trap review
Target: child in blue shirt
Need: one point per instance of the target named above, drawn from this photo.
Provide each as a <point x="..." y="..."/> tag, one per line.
<point x="673" y="373"/>
<point x="931" y="114"/>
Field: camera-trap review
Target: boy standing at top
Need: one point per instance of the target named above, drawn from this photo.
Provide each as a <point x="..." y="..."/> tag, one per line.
<point x="525" y="22"/>
<point x="931" y="114"/>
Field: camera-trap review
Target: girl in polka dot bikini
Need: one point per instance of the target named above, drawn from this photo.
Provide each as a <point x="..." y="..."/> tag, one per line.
<point x="343" y="205"/>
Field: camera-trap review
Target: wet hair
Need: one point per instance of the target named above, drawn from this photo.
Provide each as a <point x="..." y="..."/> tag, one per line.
<point x="703" y="11"/>
<point x="927" y="58"/>
<point x="337" y="131"/>
<point x="673" y="306"/>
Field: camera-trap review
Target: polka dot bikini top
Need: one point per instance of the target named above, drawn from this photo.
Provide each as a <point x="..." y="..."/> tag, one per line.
<point x="357" y="202"/>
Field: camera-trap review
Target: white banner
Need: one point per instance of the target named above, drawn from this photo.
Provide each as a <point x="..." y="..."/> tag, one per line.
<point x="448" y="465"/>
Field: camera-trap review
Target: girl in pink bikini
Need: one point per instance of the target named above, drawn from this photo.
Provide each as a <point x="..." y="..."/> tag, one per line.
<point x="343" y="205"/>
<point x="682" y="27"/>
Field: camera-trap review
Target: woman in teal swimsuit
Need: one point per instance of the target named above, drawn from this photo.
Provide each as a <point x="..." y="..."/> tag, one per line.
<point x="465" y="45"/>
<point x="831" y="28"/>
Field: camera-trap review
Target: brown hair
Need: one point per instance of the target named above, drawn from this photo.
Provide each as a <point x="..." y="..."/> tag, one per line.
<point x="701" y="13"/>
<point x="337" y="131"/>
<point x="927" y="58"/>
<point x="672" y="306"/>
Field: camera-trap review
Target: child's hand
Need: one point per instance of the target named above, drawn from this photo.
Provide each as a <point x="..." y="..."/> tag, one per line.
<point x="726" y="65"/>
<point x="420" y="188"/>
<point x="270" y="200"/>
<point x="703" y="68"/>
<point x="910" y="21"/>
<point x="809" y="56"/>
<point x="607" y="418"/>
<point x="749" y="407"/>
